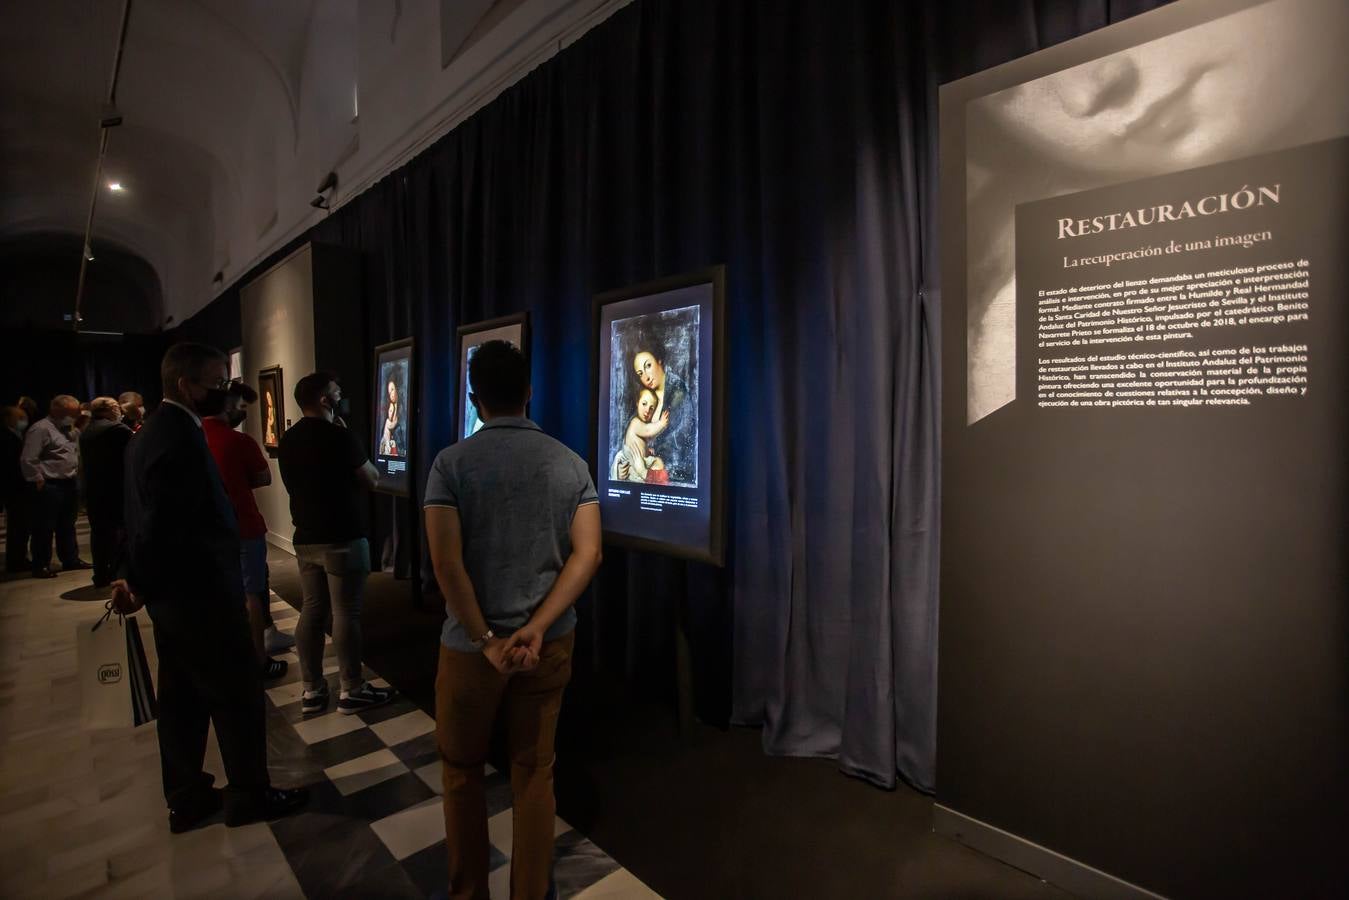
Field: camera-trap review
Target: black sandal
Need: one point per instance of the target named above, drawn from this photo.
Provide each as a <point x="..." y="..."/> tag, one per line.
<point x="274" y="668"/>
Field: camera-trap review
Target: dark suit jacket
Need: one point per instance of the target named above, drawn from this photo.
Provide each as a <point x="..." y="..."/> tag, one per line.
<point x="102" y="467"/>
<point x="11" y="479"/>
<point x="182" y="537"/>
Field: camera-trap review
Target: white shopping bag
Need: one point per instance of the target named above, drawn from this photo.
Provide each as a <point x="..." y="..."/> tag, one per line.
<point x="114" y="674"/>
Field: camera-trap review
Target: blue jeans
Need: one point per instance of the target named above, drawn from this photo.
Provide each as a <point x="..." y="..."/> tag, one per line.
<point x="253" y="561"/>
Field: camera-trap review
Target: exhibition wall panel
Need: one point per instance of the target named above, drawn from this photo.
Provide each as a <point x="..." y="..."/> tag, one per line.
<point x="277" y="320"/>
<point x="1143" y="642"/>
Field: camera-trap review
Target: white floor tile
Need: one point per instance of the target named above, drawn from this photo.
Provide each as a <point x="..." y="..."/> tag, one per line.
<point x="430" y="773"/>
<point x="404" y="728"/>
<point x="620" y="885"/>
<point x="320" y="729"/>
<point x="286" y="693"/>
<point x="364" y="771"/>
<point x="406" y="832"/>
<point x="501" y="837"/>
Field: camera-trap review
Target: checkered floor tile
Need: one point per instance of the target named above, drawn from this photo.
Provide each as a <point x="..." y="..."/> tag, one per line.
<point x="375" y="823"/>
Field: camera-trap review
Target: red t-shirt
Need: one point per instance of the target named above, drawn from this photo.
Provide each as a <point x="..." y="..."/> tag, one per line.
<point x="238" y="458"/>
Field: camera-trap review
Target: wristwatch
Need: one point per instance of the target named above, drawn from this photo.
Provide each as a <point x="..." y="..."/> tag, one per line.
<point x="482" y="641"/>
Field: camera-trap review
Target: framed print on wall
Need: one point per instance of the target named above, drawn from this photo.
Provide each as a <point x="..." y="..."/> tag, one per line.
<point x="272" y="407"/>
<point x="658" y="435"/>
<point x="394" y="415"/>
<point x="512" y="329"/>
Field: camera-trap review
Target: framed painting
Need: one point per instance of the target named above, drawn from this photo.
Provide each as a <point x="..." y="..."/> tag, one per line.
<point x="272" y="407"/>
<point x="512" y="329"/>
<point x="394" y="415"/>
<point x="658" y="436"/>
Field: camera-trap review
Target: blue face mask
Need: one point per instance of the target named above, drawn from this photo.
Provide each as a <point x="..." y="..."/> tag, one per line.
<point x="21" y="426"/>
<point x="64" y="422"/>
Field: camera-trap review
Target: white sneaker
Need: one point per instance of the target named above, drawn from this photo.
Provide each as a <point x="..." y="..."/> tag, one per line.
<point x="276" y="640"/>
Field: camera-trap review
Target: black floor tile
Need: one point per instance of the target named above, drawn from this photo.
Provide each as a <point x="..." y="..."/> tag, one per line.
<point x="346" y="747"/>
<point x="497" y="787"/>
<point x="398" y="706"/>
<point x="427" y="869"/>
<point x="339" y="857"/>
<point x="577" y="864"/>
<point x="419" y="751"/>
<point x="382" y="800"/>
<point x="289" y="759"/>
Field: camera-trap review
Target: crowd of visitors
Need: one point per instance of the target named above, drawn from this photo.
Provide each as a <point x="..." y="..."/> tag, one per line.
<point x="513" y="528"/>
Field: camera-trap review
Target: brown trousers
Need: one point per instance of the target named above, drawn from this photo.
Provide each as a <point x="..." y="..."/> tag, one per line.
<point x="469" y="695"/>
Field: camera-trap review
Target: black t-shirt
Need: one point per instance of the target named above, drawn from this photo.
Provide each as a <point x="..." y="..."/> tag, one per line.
<point x="318" y="466"/>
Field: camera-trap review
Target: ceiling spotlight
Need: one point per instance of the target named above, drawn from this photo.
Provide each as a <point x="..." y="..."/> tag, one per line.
<point x="114" y="186"/>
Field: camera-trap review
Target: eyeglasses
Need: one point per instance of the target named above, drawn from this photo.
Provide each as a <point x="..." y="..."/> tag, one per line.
<point x="222" y="385"/>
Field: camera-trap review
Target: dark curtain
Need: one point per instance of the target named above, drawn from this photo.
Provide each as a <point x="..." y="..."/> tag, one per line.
<point x="780" y="142"/>
<point x="42" y="364"/>
<point x="219" y="325"/>
<point x="795" y="142"/>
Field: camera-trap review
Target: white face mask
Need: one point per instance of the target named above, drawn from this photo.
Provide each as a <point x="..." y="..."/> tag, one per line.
<point x="21" y="426"/>
<point x="64" y="422"/>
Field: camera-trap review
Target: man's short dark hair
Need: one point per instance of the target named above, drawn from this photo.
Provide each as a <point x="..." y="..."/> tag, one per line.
<point x="499" y="377"/>
<point x="309" y="390"/>
<point x="239" y="389"/>
<point x="187" y="360"/>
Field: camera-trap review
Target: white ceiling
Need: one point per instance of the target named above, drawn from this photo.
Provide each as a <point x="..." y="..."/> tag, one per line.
<point x="234" y="110"/>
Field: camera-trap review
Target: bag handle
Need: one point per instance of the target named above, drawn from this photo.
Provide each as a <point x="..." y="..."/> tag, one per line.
<point x="121" y="619"/>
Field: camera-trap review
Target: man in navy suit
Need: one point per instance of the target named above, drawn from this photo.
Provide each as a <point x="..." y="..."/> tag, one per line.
<point x="182" y="564"/>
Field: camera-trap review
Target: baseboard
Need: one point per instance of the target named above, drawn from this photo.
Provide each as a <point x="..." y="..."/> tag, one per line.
<point x="281" y="543"/>
<point x="1063" y="871"/>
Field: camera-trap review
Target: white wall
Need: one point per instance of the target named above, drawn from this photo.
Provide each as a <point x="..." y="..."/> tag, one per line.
<point x="277" y="310"/>
<point x="391" y="55"/>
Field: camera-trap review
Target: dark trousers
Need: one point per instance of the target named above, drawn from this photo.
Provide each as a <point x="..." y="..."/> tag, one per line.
<point x="105" y="542"/>
<point x="208" y="674"/>
<point x="17" y="530"/>
<point x="54" y="510"/>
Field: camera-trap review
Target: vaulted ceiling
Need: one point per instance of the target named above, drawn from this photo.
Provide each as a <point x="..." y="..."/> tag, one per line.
<point x="234" y="111"/>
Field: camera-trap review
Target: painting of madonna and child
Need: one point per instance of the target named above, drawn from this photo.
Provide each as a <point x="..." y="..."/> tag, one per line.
<point x="657" y="458"/>
<point x="653" y="399"/>
<point x="393" y="415"/>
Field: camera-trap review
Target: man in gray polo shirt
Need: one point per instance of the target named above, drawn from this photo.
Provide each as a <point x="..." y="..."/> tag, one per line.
<point x="513" y="525"/>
